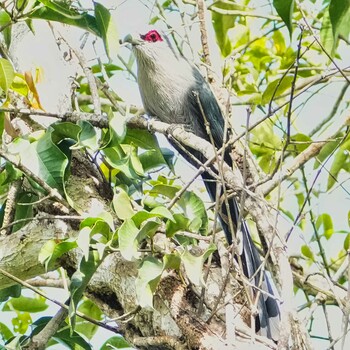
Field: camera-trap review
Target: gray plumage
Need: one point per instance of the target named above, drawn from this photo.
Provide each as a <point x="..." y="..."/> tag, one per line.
<point x="175" y="102"/>
<point x="170" y="87"/>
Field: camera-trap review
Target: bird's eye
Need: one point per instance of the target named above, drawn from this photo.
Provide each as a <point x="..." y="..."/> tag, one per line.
<point x="152" y="36"/>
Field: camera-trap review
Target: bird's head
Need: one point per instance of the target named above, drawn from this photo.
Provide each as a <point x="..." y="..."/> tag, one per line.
<point x="152" y="47"/>
<point x="144" y="39"/>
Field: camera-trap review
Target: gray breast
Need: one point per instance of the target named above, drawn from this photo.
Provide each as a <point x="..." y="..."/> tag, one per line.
<point x="164" y="93"/>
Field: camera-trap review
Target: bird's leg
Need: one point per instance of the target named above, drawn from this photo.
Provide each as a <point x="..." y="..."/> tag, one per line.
<point x="148" y="119"/>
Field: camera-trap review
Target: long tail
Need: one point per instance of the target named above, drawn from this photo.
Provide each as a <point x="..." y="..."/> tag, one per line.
<point x="269" y="314"/>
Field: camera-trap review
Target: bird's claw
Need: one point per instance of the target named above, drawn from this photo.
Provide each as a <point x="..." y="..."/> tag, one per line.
<point x="149" y="123"/>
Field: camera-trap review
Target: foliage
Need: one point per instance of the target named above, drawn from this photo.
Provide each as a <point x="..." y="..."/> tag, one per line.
<point x="274" y="71"/>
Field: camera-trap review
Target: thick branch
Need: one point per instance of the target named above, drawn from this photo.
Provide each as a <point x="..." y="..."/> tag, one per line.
<point x="40" y="340"/>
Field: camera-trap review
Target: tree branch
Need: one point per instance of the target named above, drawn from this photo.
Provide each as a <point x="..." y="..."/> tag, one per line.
<point x="39" y="341"/>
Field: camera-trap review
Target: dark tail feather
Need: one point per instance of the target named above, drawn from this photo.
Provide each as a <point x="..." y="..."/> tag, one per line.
<point x="269" y="314"/>
<point x="268" y="308"/>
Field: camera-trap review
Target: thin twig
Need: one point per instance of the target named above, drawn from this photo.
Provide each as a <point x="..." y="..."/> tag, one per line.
<point x="320" y="44"/>
<point x="310" y="152"/>
<point x="10" y="207"/>
<point x="333" y="111"/>
<point x="46" y="217"/>
<point x="86" y="69"/>
<point x="313" y="223"/>
<point x="204" y="38"/>
<point x="312" y="186"/>
<point x="51" y="191"/>
<point x="62" y="305"/>
<point x="243" y="13"/>
<point x="346" y="310"/>
<point x="329" y="328"/>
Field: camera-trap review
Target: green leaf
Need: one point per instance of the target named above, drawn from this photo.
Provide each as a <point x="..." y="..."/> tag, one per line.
<point x="279" y="43"/>
<point x="24" y="209"/>
<point x="339" y="14"/>
<point x="195" y="225"/>
<point x="21" y="4"/>
<point x="165" y="190"/>
<point x="62" y="8"/>
<point x="7" y="74"/>
<point x="21" y="322"/>
<point x="141" y="138"/>
<point x="87" y="137"/>
<point x="149" y="229"/>
<point x="346" y="243"/>
<point x="89" y="308"/>
<point x="25" y="304"/>
<point x="46" y="161"/>
<point x="83" y="241"/>
<point x="194" y="265"/>
<point x="123" y="164"/>
<point x="223" y="23"/>
<point x="135" y="161"/>
<point x="20" y="85"/>
<point x="122" y="204"/>
<point x="12" y="174"/>
<point x="325" y="220"/>
<point x="107" y="218"/>
<point x="107" y="29"/>
<point x="162" y="212"/>
<point x="195" y="211"/>
<point x="79" y="281"/>
<point x="326" y="34"/>
<point x="73" y="340"/>
<point x="85" y="21"/>
<point x="180" y="223"/>
<point x="51" y="251"/>
<point x="62" y="336"/>
<point x="327" y="150"/>
<point x="341" y="158"/>
<point x="117" y="342"/>
<point x="299" y="194"/>
<point x="110" y="69"/>
<point x="171" y="261"/>
<point x="265" y="141"/>
<point x="168" y="156"/>
<point x="302" y="142"/>
<point x="117" y="126"/>
<point x="100" y="237"/>
<point x="142" y="215"/>
<point x="2" y="122"/>
<point x="276" y="88"/>
<point x="5" y="19"/>
<point x="128" y="240"/>
<point x="285" y="10"/>
<point x="64" y="130"/>
<point x="152" y="159"/>
<point x="5" y="332"/>
<point x="306" y="251"/>
<point x="12" y="291"/>
<point x="147" y="281"/>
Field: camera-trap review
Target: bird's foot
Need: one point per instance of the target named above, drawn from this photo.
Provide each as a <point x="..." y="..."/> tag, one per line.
<point x="149" y="120"/>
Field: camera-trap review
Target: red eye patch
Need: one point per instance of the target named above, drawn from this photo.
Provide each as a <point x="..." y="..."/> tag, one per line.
<point x="151" y="36"/>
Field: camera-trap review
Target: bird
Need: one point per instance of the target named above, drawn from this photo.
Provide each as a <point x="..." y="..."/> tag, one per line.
<point x="174" y="90"/>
